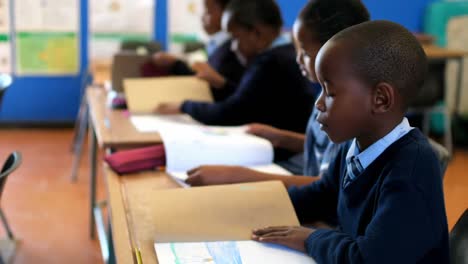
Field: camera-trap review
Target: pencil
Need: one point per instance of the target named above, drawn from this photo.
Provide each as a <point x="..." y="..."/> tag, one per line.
<point x="131" y="232"/>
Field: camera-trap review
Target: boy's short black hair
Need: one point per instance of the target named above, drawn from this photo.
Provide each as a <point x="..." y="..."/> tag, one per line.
<point x="383" y="51"/>
<point x="222" y="3"/>
<point x="248" y="13"/>
<point x="325" y="18"/>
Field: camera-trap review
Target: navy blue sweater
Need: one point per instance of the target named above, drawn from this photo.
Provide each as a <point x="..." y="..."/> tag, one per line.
<point x="272" y="91"/>
<point x="225" y="62"/>
<point x="392" y="213"/>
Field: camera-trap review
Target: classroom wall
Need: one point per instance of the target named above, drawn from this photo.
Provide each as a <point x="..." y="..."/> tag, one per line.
<point x="47" y="99"/>
<point x="56" y="99"/>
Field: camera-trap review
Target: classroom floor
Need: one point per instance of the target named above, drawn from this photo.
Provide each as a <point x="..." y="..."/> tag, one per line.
<point x="49" y="214"/>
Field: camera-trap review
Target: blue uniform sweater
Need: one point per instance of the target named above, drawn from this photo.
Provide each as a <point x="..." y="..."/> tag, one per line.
<point x="225" y="62"/>
<point x="392" y="213"/>
<point x="272" y="91"/>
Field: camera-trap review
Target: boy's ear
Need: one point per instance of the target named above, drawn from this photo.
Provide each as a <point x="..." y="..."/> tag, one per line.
<point x="384" y="98"/>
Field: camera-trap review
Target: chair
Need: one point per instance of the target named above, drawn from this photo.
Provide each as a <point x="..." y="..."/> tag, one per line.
<point x="426" y="103"/>
<point x="5" y="82"/>
<point x="8" y="246"/>
<point x="13" y="161"/>
<point x="442" y="155"/>
<point x="147" y="47"/>
<point x="459" y="241"/>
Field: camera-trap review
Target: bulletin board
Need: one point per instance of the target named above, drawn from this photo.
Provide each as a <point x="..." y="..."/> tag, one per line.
<point x="190" y="28"/>
<point x="5" y="37"/>
<point x="114" y="21"/>
<point x="46" y="37"/>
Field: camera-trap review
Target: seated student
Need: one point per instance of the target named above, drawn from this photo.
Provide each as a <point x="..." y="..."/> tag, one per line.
<point x="272" y="89"/>
<point x="221" y="59"/>
<point x="318" y="21"/>
<point x="384" y="187"/>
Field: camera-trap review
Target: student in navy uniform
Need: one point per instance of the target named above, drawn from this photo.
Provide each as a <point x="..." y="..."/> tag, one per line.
<point x="221" y="59"/>
<point x="318" y="21"/>
<point x="385" y="187"/>
<point x="272" y="90"/>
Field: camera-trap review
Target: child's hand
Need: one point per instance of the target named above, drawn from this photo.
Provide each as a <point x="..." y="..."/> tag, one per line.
<point x="206" y="72"/>
<point x="168" y="109"/>
<point x="213" y="175"/>
<point x="164" y="59"/>
<point x="290" y="236"/>
<point x="267" y="132"/>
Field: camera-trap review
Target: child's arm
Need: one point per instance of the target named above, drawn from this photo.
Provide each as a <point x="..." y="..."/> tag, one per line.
<point x="279" y="138"/>
<point x="213" y="175"/>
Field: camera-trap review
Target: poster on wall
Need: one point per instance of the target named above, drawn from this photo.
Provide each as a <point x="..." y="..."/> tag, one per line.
<point x="115" y="21"/>
<point x="47" y="40"/>
<point x="185" y="23"/>
<point x="5" y="40"/>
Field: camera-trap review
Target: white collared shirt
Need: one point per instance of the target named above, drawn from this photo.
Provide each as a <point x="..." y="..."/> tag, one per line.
<point x="216" y="40"/>
<point x="371" y="153"/>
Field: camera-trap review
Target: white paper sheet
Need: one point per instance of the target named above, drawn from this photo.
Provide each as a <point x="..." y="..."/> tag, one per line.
<point x="4" y="16"/>
<point x="173" y="123"/>
<point x="239" y="252"/>
<point x="157" y="123"/>
<point x="5" y="57"/>
<point x="123" y="16"/>
<point x="47" y="15"/>
<point x="186" y="149"/>
<point x="180" y="177"/>
<point x="190" y="144"/>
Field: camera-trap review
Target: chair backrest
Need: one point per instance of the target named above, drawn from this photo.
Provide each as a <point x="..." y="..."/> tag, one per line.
<point x="459" y="241"/>
<point x="5" y="81"/>
<point x="149" y="47"/>
<point x="457" y="37"/>
<point x="127" y="65"/>
<point x="442" y="155"/>
<point x="11" y="163"/>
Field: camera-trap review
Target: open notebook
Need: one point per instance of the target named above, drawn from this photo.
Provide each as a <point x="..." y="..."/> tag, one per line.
<point x="189" y="144"/>
<point x="214" y="224"/>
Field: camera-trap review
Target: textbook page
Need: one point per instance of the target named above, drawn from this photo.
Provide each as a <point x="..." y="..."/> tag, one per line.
<point x="157" y="123"/>
<point x="212" y="213"/>
<point x="190" y="148"/>
<point x="180" y="177"/>
<point x="145" y="94"/>
<point x="239" y="252"/>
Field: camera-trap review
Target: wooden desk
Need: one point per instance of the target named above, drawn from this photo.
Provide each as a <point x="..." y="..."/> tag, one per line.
<point x="116" y="191"/>
<point x="434" y="52"/>
<point x="113" y="128"/>
<point x="109" y="129"/>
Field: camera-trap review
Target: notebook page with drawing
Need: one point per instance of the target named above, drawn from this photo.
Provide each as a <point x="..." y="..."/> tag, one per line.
<point x="220" y="252"/>
<point x="216" y="235"/>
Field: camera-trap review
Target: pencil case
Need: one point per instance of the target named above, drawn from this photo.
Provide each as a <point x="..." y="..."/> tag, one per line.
<point x="136" y="160"/>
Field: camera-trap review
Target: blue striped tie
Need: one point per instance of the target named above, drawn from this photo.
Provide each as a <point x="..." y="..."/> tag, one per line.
<point x="353" y="169"/>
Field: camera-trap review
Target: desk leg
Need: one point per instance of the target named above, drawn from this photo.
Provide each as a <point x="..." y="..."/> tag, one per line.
<point x="102" y="235"/>
<point x="92" y="180"/>
<point x="459" y="85"/>
<point x="82" y="124"/>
